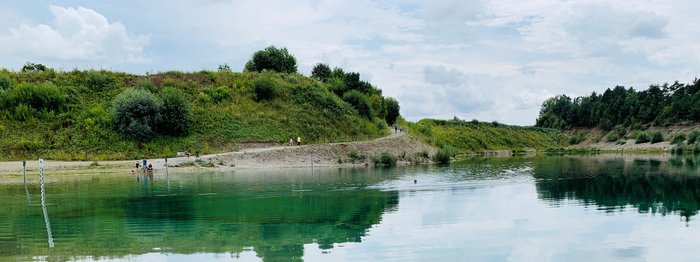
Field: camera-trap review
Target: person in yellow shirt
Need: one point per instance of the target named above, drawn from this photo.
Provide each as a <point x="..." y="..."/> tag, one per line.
<point x="298" y="141"/>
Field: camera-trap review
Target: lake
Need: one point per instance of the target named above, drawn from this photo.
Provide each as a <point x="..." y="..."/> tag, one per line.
<point x="540" y="208"/>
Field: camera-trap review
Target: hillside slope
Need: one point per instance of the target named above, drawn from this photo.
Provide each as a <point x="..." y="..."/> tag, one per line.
<point x="462" y="136"/>
<point x="70" y="115"/>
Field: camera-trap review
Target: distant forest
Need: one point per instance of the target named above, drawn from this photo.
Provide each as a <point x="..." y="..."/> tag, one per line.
<point x="656" y="106"/>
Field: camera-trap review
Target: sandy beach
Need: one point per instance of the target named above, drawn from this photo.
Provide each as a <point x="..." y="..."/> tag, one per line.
<point x="405" y="148"/>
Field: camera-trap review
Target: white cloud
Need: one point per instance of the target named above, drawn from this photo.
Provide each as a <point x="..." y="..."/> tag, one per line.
<point x="76" y="34"/>
<point x="492" y="60"/>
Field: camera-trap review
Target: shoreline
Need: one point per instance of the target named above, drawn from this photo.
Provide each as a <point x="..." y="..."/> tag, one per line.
<point x="405" y="148"/>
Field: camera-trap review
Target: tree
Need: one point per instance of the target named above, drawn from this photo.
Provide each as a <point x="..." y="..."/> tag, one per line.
<point x="136" y="113"/>
<point x="32" y="67"/>
<point x="360" y="102"/>
<point x="321" y="72"/>
<point x="273" y="59"/>
<point x="392" y="110"/>
<point x="175" y="115"/>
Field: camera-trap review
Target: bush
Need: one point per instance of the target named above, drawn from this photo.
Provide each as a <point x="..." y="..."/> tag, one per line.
<point x="656" y="137"/>
<point x="5" y="83"/>
<point x="360" y="102"/>
<point x="356" y="157"/>
<point x="392" y="110"/>
<point x="442" y="157"/>
<point x="616" y="134"/>
<point x="146" y="84"/>
<point x="577" y="138"/>
<point x="265" y="89"/>
<point x="678" y="139"/>
<point x="136" y="113"/>
<point x="274" y="59"/>
<point x="385" y="159"/>
<point x="642" y="137"/>
<point x="175" y="114"/>
<point x="693" y="136"/>
<point x="219" y="94"/>
<point x="99" y="81"/>
<point x="27" y="99"/>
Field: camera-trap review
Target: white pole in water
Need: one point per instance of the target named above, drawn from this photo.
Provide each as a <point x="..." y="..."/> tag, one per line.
<point x="24" y="172"/>
<point x="43" y="202"/>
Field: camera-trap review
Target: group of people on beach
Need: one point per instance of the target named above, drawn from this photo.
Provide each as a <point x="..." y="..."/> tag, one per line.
<point x="291" y="141"/>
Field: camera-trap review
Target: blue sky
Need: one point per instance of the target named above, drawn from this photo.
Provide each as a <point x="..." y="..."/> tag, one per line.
<point x="491" y="60"/>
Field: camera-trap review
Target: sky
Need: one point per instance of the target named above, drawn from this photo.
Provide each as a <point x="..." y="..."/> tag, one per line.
<point x="491" y="60"/>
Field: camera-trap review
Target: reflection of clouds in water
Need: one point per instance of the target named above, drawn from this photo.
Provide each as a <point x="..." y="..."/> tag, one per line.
<point x="509" y="222"/>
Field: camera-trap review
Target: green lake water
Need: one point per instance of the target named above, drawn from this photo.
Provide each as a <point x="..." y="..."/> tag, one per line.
<point x="596" y="208"/>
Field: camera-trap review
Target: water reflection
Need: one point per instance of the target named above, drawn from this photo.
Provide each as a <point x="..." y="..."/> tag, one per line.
<point x="651" y="184"/>
<point x="275" y="213"/>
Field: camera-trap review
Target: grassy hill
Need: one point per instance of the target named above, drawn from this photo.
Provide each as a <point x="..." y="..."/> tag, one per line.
<point x="70" y="115"/>
<point x="473" y="136"/>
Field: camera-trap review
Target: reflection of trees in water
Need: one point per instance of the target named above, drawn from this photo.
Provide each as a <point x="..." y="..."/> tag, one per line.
<point x="274" y="217"/>
<point x="658" y="186"/>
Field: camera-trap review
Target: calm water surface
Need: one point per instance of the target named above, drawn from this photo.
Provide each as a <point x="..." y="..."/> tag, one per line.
<point x="601" y="208"/>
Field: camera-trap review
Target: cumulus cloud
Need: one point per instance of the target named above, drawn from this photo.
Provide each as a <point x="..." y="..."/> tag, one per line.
<point x="76" y="34"/>
<point x="491" y="60"/>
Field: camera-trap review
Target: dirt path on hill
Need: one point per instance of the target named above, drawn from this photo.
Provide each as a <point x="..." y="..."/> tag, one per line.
<point x="407" y="149"/>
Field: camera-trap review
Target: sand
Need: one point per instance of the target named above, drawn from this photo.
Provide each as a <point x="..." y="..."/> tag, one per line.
<point x="406" y="148"/>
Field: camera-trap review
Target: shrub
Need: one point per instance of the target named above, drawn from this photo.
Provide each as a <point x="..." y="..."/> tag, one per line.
<point x="360" y="102"/>
<point x="693" y="136"/>
<point x="5" y="83"/>
<point x="425" y="129"/>
<point x="355" y="156"/>
<point x="30" y="98"/>
<point x="99" y="81"/>
<point x="616" y="134"/>
<point x="274" y="59"/>
<point x="642" y="137"/>
<point x="175" y="114"/>
<point x="577" y="138"/>
<point x="146" y="84"/>
<point x="678" y="139"/>
<point x="136" y="113"/>
<point x="265" y="88"/>
<point x="385" y="159"/>
<point x="392" y="110"/>
<point x="656" y="137"/>
<point x="219" y="94"/>
<point x="203" y="98"/>
<point x="442" y="157"/>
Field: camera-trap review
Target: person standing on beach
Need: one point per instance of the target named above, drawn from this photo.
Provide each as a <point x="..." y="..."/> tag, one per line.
<point x="291" y="141"/>
<point x="298" y="141"/>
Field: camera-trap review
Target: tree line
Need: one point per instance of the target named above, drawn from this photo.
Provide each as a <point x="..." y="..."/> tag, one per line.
<point x="658" y="105"/>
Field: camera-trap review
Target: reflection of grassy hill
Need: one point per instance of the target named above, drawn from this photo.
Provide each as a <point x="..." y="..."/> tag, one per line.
<point x="68" y="115"/>
<point x="478" y="136"/>
<point x="220" y="216"/>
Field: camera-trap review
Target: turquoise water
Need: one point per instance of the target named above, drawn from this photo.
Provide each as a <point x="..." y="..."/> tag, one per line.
<point x="601" y="208"/>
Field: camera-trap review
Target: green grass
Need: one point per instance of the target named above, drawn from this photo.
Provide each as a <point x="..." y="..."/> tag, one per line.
<point x="223" y="106"/>
<point x="472" y="136"/>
